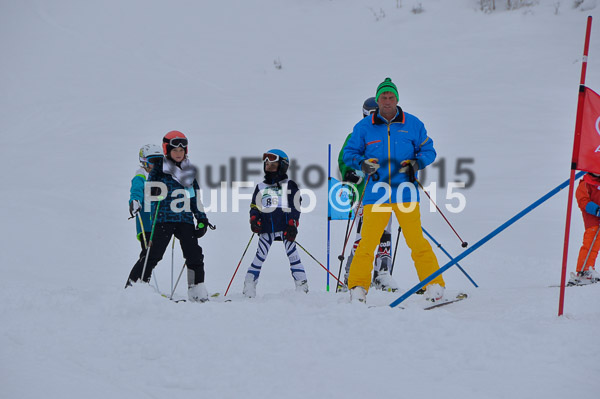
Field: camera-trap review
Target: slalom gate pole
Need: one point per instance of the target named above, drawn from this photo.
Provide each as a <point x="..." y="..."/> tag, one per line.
<point x="239" y="263"/>
<point x="328" y="249"/>
<point x="479" y="243"/>
<point x="448" y="255"/>
<point x="574" y="159"/>
<point x="320" y="264"/>
<point x="463" y="243"/>
<point x="328" y="215"/>
<point x="177" y="282"/>
<point x="395" y="250"/>
<point x="151" y="237"/>
<point x="337" y="287"/>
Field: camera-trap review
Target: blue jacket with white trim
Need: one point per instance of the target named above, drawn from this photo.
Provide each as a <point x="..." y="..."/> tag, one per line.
<point x="274" y="206"/>
<point x="404" y="138"/>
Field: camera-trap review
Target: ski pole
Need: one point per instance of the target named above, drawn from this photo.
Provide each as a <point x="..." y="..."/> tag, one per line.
<point x="341" y="257"/>
<point x="448" y="255"/>
<point x="346" y="238"/>
<point x="142" y="228"/>
<point x="395" y="250"/>
<point x="146" y="245"/>
<point x="239" y="263"/>
<point x="463" y="243"/>
<point x="320" y="264"/>
<point x="172" y="256"/>
<point x="177" y="282"/>
<point x="151" y="237"/>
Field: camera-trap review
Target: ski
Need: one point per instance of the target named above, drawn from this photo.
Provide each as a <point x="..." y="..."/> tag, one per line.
<point x="445" y="301"/>
<point x="215" y="295"/>
<point x="575" y="282"/>
<point x="173" y="300"/>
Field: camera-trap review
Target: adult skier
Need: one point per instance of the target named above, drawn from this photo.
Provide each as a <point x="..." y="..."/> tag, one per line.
<point x="390" y="147"/>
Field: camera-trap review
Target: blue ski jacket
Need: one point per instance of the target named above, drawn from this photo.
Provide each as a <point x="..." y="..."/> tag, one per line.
<point x="403" y="138"/>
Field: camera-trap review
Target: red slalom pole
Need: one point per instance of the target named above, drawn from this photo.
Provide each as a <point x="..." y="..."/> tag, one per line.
<point x="576" y="143"/>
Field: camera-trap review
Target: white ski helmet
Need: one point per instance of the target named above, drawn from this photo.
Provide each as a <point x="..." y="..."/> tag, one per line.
<point x="150" y="151"/>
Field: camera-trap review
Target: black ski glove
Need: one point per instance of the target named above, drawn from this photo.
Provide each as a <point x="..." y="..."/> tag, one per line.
<point x="134" y="207"/>
<point x="202" y="227"/>
<point x="352" y="177"/>
<point x="410" y="167"/>
<point x="255" y="224"/>
<point x="291" y="231"/>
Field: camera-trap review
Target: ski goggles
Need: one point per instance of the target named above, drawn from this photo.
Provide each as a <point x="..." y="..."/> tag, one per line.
<point x="268" y="157"/>
<point x="153" y="159"/>
<point x="177" y="142"/>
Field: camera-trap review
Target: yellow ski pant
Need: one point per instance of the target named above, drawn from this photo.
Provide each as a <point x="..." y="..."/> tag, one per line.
<point x="375" y="218"/>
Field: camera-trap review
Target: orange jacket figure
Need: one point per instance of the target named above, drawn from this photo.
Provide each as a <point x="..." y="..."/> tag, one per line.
<point x="588" y="199"/>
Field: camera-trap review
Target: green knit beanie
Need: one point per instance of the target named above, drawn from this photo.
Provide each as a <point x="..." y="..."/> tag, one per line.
<point x="386" y="85"/>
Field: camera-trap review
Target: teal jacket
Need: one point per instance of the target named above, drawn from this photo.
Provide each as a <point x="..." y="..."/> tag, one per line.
<point x="403" y="138"/>
<point x="137" y="193"/>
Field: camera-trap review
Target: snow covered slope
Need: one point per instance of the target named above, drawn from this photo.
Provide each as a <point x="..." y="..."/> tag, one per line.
<point x="84" y="85"/>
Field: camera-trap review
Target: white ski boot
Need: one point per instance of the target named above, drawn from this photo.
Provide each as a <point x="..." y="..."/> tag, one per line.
<point x="301" y="285"/>
<point x="198" y="293"/>
<point x="250" y="282"/>
<point x="358" y="295"/>
<point x="434" y="292"/>
<point x="385" y="282"/>
<point x="585" y="277"/>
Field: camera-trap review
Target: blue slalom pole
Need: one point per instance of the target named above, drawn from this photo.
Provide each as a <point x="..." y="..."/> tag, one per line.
<point x="328" y="218"/>
<point x="485" y="239"/>
<point x="448" y="255"/>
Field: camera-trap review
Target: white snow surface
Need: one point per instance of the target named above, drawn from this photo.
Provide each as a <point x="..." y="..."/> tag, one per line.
<point x="85" y="84"/>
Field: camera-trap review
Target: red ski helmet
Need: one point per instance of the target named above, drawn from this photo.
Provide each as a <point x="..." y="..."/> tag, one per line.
<point x="174" y="139"/>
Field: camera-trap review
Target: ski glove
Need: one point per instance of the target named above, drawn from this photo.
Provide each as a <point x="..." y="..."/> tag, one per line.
<point x="202" y="226"/>
<point x="410" y="167"/>
<point x="291" y="231"/>
<point x="369" y="166"/>
<point x="134" y="207"/>
<point x="352" y="177"/>
<point x="592" y="208"/>
<point x="255" y="224"/>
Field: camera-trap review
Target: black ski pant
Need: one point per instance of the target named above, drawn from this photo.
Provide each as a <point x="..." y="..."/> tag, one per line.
<point x="192" y="252"/>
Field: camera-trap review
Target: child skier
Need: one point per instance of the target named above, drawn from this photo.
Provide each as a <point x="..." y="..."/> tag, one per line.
<point x="177" y="173"/>
<point x="588" y="199"/>
<point x="274" y="217"/>
<point x="148" y="155"/>
<point x="382" y="279"/>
